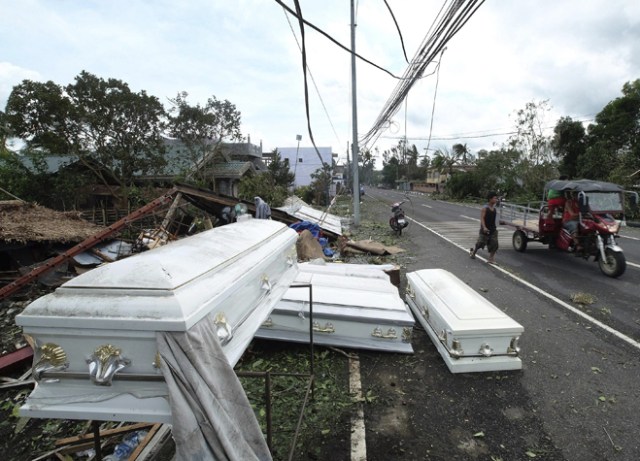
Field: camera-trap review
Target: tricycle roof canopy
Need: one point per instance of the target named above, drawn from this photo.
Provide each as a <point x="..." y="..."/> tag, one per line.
<point x="585" y="185"/>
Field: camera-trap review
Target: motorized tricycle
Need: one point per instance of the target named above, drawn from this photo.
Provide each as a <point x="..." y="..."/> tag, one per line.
<point x="600" y="215"/>
<point x="397" y="222"/>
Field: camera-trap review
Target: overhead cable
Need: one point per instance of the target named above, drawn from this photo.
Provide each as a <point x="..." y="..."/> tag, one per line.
<point x="313" y="80"/>
<point x="455" y="17"/>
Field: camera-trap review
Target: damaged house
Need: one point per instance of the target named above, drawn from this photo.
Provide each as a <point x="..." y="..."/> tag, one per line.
<point x="30" y="234"/>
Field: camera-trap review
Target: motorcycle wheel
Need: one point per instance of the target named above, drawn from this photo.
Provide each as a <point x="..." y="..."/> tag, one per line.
<point x="614" y="263"/>
<point x="519" y="241"/>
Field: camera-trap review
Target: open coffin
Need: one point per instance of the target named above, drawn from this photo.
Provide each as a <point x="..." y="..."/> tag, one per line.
<point x="354" y="306"/>
<point x="470" y="333"/>
<point x="94" y="338"/>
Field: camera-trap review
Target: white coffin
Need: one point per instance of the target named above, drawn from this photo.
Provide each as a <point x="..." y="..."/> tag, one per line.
<point x="107" y="318"/>
<point x="470" y="333"/>
<point x="348" y="270"/>
<point x="362" y="312"/>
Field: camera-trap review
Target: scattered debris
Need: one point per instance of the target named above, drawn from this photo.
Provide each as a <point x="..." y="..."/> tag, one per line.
<point x="583" y="298"/>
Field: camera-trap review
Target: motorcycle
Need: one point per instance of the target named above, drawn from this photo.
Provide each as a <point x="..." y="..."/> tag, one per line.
<point x="595" y="237"/>
<point x="398" y="220"/>
<point x="601" y="213"/>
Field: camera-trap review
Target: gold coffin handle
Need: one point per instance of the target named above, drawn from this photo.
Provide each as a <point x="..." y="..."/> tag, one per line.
<point x="390" y="334"/>
<point x="327" y="328"/>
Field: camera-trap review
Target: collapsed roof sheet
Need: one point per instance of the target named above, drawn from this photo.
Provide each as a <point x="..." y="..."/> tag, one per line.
<point x="326" y="221"/>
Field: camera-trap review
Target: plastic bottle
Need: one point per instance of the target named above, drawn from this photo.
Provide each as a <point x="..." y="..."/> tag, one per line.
<point x="129" y="443"/>
<point x="123" y="450"/>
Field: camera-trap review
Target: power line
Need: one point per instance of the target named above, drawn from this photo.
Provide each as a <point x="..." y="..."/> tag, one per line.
<point x="313" y="80"/>
<point x="471" y="134"/>
<point x="453" y="19"/>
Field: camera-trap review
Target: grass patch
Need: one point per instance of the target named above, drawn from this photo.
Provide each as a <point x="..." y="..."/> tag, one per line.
<point x="328" y="413"/>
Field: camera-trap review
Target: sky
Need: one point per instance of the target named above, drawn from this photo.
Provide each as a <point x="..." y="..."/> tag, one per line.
<point x="575" y="54"/>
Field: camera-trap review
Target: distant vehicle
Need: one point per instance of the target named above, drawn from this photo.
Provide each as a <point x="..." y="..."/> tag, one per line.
<point x="601" y="213"/>
<point x="397" y="222"/>
<point x="361" y="190"/>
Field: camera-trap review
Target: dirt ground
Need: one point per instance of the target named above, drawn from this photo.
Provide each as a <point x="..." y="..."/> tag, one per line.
<point x="421" y="411"/>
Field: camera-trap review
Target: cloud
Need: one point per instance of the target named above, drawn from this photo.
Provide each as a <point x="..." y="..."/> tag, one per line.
<point x="573" y="53"/>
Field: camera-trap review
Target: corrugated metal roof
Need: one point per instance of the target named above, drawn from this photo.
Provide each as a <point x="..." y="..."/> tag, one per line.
<point x="231" y="169"/>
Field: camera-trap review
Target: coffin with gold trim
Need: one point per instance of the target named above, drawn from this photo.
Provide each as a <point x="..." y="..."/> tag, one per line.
<point x="94" y="338"/>
<point x="356" y="307"/>
<point x="470" y="333"/>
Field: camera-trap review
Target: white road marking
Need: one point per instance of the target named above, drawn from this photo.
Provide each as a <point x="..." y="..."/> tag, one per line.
<point x="569" y="307"/>
<point x="628" y="237"/>
<point x="428" y="206"/>
<point x="633" y="264"/>
<point x="469" y="217"/>
<point x="358" y="439"/>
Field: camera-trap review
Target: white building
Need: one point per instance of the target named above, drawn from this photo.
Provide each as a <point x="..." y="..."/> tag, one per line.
<point x="304" y="161"/>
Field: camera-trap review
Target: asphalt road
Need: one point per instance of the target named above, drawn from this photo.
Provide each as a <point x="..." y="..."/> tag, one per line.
<point x="577" y="396"/>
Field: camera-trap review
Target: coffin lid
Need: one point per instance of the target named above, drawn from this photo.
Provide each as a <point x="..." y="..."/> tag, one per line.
<point x="460" y="307"/>
<point x="174" y="285"/>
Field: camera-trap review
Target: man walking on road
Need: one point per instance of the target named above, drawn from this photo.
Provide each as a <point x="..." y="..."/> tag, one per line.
<point x="488" y="232"/>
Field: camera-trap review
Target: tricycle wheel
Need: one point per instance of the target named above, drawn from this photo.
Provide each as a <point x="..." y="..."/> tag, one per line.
<point x="520" y="241"/>
<point x="614" y="263"/>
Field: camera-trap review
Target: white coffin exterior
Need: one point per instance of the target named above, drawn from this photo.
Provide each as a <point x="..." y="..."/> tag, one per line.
<point x="96" y="334"/>
<point x="470" y="333"/>
<point x="362" y="312"/>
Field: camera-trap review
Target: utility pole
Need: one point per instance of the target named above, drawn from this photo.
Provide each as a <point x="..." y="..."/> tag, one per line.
<point x="354" y="113"/>
<point x="295" y="167"/>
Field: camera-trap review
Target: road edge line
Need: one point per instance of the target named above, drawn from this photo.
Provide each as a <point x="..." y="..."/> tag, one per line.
<point x="358" y="434"/>
<point x="578" y="312"/>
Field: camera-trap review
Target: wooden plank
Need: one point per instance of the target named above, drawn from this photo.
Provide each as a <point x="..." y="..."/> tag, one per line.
<point x="17" y="383"/>
<point x="107" y="432"/>
<point x="16" y="356"/>
<point x="144" y="442"/>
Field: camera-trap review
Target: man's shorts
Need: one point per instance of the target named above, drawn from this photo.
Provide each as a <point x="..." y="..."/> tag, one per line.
<point x="490" y="241"/>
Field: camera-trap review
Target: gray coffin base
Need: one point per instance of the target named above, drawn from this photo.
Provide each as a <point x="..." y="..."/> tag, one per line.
<point x="349" y="310"/>
<point x="94" y="338"/>
<point x="471" y="334"/>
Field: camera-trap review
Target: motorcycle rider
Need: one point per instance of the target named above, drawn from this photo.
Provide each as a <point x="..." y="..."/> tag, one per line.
<point x="570" y="218"/>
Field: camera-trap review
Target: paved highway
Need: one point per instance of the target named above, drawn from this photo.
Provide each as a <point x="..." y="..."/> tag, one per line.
<point x="559" y="274"/>
<point x="579" y="385"/>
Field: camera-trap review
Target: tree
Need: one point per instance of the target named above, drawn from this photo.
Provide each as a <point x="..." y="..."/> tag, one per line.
<point x="425" y="161"/>
<point x="15" y="178"/>
<point x="272" y="185"/>
<point x="613" y="151"/>
<point x="5" y="132"/>
<point x="530" y="139"/>
<point x="569" y="144"/>
<point x="414" y="172"/>
<point x="321" y="180"/>
<point x="280" y="171"/>
<point x="444" y="160"/>
<point x="202" y="129"/>
<point x="262" y="185"/>
<point x="390" y="171"/>
<point x="367" y="163"/>
<point x="113" y="131"/>
<point x="463" y="153"/>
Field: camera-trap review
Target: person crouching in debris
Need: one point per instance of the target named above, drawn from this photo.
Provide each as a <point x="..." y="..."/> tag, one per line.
<point x="228" y="215"/>
<point x="263" y="211"/>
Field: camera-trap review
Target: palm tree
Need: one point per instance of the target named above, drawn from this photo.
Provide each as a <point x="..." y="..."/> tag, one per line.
<point x="463" y="151"/>
<point x="444" y="160"/>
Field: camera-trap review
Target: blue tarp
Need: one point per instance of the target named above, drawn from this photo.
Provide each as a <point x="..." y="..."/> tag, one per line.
<point x="306" y="225"/>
